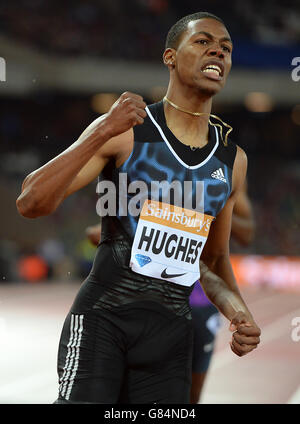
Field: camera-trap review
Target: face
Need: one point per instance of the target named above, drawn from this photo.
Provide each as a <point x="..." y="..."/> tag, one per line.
<point x="203" y="56"/>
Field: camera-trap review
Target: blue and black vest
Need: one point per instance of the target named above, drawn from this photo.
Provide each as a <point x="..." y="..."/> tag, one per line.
<point x="158" y="155"/>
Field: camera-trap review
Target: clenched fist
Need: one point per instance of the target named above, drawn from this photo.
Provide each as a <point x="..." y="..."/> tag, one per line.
<point x="93" y="233"/>
<point x="245" y="335"/>
<point x="126" y="112"/>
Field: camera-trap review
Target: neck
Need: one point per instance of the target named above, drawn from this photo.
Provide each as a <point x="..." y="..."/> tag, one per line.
<point x="188" y="115"/>
<point x="191" y="100"/>
<point x="181" y="109"/>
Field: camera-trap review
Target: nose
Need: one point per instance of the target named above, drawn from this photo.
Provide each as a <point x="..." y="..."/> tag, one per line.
<point x="216" y="52"/>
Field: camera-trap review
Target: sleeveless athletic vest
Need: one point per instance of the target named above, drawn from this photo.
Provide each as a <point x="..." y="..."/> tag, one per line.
<point x="165" y="197"/>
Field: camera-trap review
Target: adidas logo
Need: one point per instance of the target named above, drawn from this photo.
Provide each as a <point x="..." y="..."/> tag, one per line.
<point x="219" y="175"/>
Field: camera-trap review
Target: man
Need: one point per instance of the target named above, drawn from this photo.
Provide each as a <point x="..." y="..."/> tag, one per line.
<point x="128" y="336"/>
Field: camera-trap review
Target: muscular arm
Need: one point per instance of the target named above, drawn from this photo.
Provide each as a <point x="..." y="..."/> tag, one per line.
<point x="245" y="337"/>
<point x="242" y="228"/>
<point x="217" y="278"/>
<point x="228" y="301"/>
<point x="216" y="251"/>
<point x="44" y="189"/>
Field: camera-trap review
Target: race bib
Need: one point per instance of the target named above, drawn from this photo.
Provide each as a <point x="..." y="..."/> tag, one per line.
<point x="168" y="242"/>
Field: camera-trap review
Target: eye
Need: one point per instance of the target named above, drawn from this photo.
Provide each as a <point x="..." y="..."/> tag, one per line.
<point x="226" y="49"/>
<point x="202" y="41"/>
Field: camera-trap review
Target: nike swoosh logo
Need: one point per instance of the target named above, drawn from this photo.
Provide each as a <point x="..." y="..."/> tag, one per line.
<point x="165" y="275"/>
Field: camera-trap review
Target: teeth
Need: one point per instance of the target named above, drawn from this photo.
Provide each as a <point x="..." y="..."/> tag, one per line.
<point x="213" y="71"/>
<point x="213" y="68"/>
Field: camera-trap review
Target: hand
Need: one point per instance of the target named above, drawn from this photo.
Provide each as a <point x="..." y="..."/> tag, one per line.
<point x="246" y="334"/>
<point x="127" y="111"/>
<point x="93" y="233"/>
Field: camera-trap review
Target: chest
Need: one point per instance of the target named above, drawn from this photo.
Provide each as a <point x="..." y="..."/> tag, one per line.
<point x="163" y="176"/>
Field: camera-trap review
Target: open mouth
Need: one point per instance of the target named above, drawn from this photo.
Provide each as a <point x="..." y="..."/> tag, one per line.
<point x="213" y="70"/>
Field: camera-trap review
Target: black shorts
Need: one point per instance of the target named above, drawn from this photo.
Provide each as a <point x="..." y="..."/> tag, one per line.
<point x="206" y="322"/>
<point x="128" y="348"/>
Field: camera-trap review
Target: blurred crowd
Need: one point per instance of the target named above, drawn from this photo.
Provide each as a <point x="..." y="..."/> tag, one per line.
<point x="34" y="130"/>
<point x="136" y="29"/>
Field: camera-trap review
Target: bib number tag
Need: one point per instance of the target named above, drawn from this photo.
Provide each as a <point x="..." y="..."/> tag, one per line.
<point x="168" y="242"/>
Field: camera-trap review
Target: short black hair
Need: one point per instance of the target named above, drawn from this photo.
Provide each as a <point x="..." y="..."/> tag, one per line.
<point x="181" y="25"/>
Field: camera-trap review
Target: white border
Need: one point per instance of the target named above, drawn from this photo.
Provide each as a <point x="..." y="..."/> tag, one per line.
<point x="172" y="150"/>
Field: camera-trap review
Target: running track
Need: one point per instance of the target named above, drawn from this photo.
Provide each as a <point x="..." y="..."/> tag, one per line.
<point x="31" y="317"/>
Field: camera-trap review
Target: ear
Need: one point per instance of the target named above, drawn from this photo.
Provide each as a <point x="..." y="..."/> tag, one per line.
<point x="169" y="58"/>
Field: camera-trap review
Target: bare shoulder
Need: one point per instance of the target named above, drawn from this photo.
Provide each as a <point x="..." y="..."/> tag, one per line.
<point x="239" y="170"/>
<point x="118" y="148"/>
<point x="241" y="158"/>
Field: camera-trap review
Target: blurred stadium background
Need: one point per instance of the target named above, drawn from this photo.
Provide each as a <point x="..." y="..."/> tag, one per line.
<point x="66" y="62"/>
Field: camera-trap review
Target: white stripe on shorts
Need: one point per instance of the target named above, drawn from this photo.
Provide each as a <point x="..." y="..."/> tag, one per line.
<point x="63" y="379"/>
<point x="72" y="357"/>
<point x="77" y="351"/>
